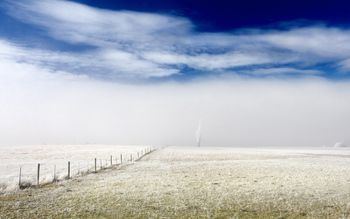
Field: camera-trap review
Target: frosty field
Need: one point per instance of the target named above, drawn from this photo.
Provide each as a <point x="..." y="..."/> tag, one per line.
<point x="184" y="182"/>
<point x="81" y="158"/>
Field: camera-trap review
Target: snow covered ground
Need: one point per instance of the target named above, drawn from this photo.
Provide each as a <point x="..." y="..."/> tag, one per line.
<point x="184" y="182"/>
<point x="81" y="157"/>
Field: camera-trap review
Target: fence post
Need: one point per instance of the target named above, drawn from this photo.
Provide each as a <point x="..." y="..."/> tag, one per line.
<point x="38" y="175"/>
<point x="121" y="158"/>
<point x="111" y="161"/>
<point x="100" y="164"/>
<point x="54" y="173"/>
<point x="68" y="169"/>
<point x="95" y="165"/>
<point x="20" y="177"/>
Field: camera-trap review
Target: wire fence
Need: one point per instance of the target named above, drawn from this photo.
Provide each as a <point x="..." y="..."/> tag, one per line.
<point x="36" y="175"/>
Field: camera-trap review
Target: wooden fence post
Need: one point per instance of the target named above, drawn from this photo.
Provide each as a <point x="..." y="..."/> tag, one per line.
<point x="38" y="175"/>
<point x="95" y="165"/>
<point x="68" y="169"/>
<point x="54" y="173"/>
<point x="111" y="161"/>
<point x="20" y="177"/>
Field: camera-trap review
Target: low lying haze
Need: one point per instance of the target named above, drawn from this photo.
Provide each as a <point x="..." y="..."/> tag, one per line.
<point x="39" y="107"/>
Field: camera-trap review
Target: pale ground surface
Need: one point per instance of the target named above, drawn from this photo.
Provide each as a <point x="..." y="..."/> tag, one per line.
<point x="200" y="183"/>
<point x="81" y="159"/>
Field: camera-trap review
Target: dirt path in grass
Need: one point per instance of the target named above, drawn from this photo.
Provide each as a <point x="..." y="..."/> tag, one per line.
<point x="180" y="182"/>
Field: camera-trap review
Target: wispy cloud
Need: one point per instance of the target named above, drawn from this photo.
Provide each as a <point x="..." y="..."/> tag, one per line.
<point x="280" y="70"/>
<point x="112" y="64"/>
<point x="344" y="65"/>
<point x="128" y="44"/>
<point x="75" y="22"/>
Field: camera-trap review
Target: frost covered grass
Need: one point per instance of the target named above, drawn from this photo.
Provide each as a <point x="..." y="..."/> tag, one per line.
<point x="184" y="182"/>
<point x="53" y="161"/>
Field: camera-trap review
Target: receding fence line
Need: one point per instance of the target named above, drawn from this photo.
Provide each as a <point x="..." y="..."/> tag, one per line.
<point x="129" y="158"/>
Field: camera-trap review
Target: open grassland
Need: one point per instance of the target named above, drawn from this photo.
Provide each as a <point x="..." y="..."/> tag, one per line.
<point x="180" y="182"/>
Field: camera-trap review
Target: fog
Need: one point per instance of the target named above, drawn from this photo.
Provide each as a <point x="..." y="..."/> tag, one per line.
<point x="41" y="107"/>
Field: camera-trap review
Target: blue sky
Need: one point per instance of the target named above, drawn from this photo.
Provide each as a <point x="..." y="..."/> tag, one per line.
<point x="179" y="40"/>
<point x="223" y="15"/>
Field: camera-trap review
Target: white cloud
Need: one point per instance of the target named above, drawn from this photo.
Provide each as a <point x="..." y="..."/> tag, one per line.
<point x="110" y="63"/>
<point x="344" y="65"/>
<point x="76" y="22"/>
<point x="209" y="61"/>
<point x="323" y="42"/>
<point x="158" y="45"/>
<point x="131" y="63"/>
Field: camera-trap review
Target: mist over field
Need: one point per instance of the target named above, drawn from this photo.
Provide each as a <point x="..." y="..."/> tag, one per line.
<point x="43" y="107"/>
